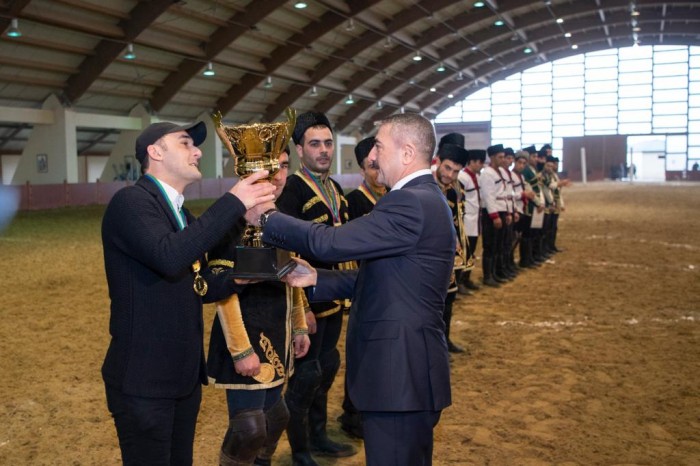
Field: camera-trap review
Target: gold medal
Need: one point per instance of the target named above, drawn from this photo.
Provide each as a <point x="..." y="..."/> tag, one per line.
<point x="200" y="284"/>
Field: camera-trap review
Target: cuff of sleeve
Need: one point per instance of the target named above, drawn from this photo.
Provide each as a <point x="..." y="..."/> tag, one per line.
<point x="300" y="331"/>
<point x="494" y="215"/>
<point x="242" y="354"/>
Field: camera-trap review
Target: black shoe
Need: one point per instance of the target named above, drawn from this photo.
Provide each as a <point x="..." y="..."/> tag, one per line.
<point x="491" y="282"/>
<point x="330" y="448"/>
<point x="303" y="459"/>
<point x="470" y="285"/>
<point x="351" y="425"/>
<point x="463" y="290"/>
<point x="452" y="348"/>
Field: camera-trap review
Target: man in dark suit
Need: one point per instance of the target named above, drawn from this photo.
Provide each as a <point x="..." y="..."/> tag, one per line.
<point x="397" y="362"/>
<point x="157" y="276"/>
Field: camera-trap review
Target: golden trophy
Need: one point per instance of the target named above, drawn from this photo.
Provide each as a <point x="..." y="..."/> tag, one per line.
<point x="255" y="147"/>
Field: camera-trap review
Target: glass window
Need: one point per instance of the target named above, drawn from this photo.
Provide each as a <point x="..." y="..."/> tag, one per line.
<point x="634" y="128"/>
<point x="594" y="60"/>
<point x="643" y="77"/>
<point x="537" y="138"/>
<point x="537" y="102"/>
<point x="477" y="105"/>
<point x="506" y="86"/>
<point x="568" y="94"/>
<point x="600" y="99"/>
<point x="679" y="55"/>
<point x="641" y="116"/>
<point x="694" y="139"/>
<point x="570" y="60"/>
<point x="498" y="134"/>
<point x="537" y="114"/>
<point x="560" y="71"/>
<point x="567" y="106"/>
<point x="601" y="124"/>
<point x="601" y="111"/>
<point x="641" y="90"/>
<point x="532" y="126"/>
<point x="569" y="82"/>
<point x="476" y="116"/>
<point x="675" y="161"/>
<point x="671" y="69"/>
<point x="675" y="95"/>
<point x="505" y="97"/>
<point x="669" y="122"/>
<point x="634" y="53"/>
<point x="601" y="86"/>
<point x="676" y="82"/>
<point x="536" y="78"/>
<point x="568" y="119"/>
<point x="453" y="113"/>
<point x="694" y="152"/>
<point x="505" y="121"/>
<point x="537" y="89"/>
<point x="634" y="66"/>
<point x="694" y="87"/>
<point x="694" y="127"/>
<point x="676" y="143"/>
<point x="694" y="113"/>
<point x="505" y="110"/>
<point x="635" y="103"/>
<point x="694" y="61"/>
<point x="567" y="131"/>
<point x="694" y="74"/>
<point x="601" y="74"/>
<point x="674" y="108"/>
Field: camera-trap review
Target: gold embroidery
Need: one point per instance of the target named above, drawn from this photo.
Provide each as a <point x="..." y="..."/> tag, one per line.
<point x="321" y="219"/>
<point x="219" y="265"/>
<point x="310" y="203"/>
<point x="271" y="355"/>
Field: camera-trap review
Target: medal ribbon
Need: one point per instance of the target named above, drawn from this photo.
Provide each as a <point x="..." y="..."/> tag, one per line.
<point x="368" y="192"/>
<point x="200" y="285"/>
<point x="331" y="199"/>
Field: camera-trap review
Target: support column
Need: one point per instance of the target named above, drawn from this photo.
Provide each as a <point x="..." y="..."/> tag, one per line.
<point x="123" y="150"/>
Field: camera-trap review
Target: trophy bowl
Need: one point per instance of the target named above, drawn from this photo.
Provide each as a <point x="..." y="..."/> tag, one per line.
<point x="255" y="147"/>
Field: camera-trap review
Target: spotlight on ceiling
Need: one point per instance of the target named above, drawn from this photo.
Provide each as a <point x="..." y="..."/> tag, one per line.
<point x="440" y="68"/>
<point x="479" y="4"/>
<point x="351" y="25"/>
<point x="574" y="47"/>
<point x="14" y="31"/>
<point x="209" y="70"/>
<point x="379" y="104"/>
<point x="314" y="92"/>
<point x="129" y="54"/>
<point x="527" y="50"/>
<point x="387" y="42"/>
<point x="300" y="5"/>
<point x="568" y="34"/>
<point x="499" y="22"/>
<point x="432" y="89"/>
<point x="349" y="100"/>
<point x="560" y="20"/>
<point x="417" y="56"/>
<point x="268" y="82"/>
<point x="449" y="96"/>
<point x="460" y="76"/>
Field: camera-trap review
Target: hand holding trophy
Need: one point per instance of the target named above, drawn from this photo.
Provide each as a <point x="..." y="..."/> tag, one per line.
<point x="256" y="147"/>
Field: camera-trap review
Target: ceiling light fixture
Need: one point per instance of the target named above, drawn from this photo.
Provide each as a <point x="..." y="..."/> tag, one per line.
<point x="349" y="100"/>
<point x="460" y="76"/>
<point x="402" y="110"/>
<point x="475" y="48"/>
<point x="300" y="5"/>
<point x="636" y="29"/>
<point x="313" y="92"/>
<point x="449" y="96"/>
<point x="568" y="34"/>
<point x="574" y="46"/>
<point x="560" y="20"/>
<point x="209" y="70"/>
<point x="268" y="82"/>
<point x="379" y="104"/>
<point x="440" y="68"/>
<point x="499" y="22"/>
<point x="14" y="31"/>
<point x="129" y="54"/>
<point x="351" y="25"/>
<point x="387" y="42"/>
<point x="479" y="4"/>
<point x="432" y="89"/>
<point x="527" y="50"/>
<point x="417" y="56"/>
<point x="635" y="13"/>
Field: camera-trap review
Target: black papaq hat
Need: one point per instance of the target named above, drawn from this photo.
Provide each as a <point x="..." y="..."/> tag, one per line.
<point x="477" y="154"/>
<point x="454" y="153"/>
<point x="494" y="149"/>
<point x="363" y="148"/>
<point x="452" y="138"/>
<point x="308" y="120"/>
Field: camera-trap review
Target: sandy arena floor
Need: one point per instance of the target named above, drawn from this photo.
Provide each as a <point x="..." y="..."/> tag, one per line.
<point x="593" y="359"/>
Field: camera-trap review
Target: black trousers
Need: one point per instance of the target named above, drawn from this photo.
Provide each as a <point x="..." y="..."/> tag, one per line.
<point x="155" y="431"/>
<point x="399" y="438"/>
<point x="472" y="242"/>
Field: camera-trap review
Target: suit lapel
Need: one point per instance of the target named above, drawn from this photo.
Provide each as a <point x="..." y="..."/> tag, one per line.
<point x="153" y="190"/>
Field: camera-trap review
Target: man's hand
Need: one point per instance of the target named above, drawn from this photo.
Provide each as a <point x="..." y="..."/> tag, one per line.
<point x="301" y="345"/>
<point x="248" y="366"/>
<point x="516" y="217"/>
<point x="540" y="208"/>
<point x="252" y="216"/>
<point x="509" y="219"/>
<point x="497" y="223"/>
<point x="302" y="275"/>
<point x="310" y="322"/>
<point x="529" y="194"/>
<point x="251" y="191"/>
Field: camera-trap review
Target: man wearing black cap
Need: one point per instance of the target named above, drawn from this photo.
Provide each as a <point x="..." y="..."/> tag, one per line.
<point x="361" y="201"/>
<point x="509" y="268"/>
<point x="530" y="255"/>
<point x="452" y="159"/>
<point x="494" y="217"/>
<point x="157" y="275"/>
<point x="311" y="194"/>
<point x="469" y="177"/>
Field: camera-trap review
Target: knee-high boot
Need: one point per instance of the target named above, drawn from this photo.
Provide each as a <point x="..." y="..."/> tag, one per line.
<point x="244" y="438"/>
<point x="321" y="444"/>
<point x="447" y="318"/>
<point x="487" y="265"/>
<point x="300" y="394"/>
<point x="276" y="419"/>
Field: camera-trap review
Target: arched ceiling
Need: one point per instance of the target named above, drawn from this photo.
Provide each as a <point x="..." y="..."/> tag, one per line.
<point x="315" y="57"/>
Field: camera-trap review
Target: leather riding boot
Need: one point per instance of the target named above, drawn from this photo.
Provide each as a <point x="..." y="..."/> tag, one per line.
<point x="298" y="398"/>
<point x="320" y="443"/>
<point x="447" y="318"/>
<point x="467" y="281"/>
<point x="525" y="260"/>
<point x="276" y="418"/>
<point x="488" y="280"/>
<point x="244" y="438"/>
<point x="498" y="272"/>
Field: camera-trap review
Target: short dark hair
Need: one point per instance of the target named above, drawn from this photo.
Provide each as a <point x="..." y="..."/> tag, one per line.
<point x="415" y="128"/>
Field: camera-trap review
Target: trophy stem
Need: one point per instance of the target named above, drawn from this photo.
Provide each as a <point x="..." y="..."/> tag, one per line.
<point x="253" y="236"/>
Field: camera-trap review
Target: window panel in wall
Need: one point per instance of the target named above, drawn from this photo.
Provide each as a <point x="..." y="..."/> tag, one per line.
<point x="561" y="71"/>
<point x="532" y="126"/>
<point x="601" y="74"/>
<point x="537" y="114"/>
<point x="528" y="79"/>
<point x="694" y="139"/>
<point x="569" y="82"/>
<point x="505" y="86"/>
<point x="670" y="69"/>
<point x="670" y="95"/>
<point x="676" y="143"/>
<point x="694" y="88"/>
<point x="538" y="138"/>
<point x="694" y="74"/>
<point x="607" y="125"/>
<point x="568" y="118"/>
<point x="634" y="116"/>
<point x="537" y="90"/>
<point x="499" y="134"/>
<point x="567" y="130"/>
<point x="568" y="94"/>
<point x="634" y="53"/>
<point x="598" y="111"/>
<point x="694" y="61"/>
<point x="673" y="123"/>
<point x="627" y="79"/>
<point x="504" y="109"/>
<point x="596" y="87"/>
<point x="505" y="97"/>
<point x="601" y="99"/>
<point x="634" y="128"/>
<point x="567" y="106"/>
<point x="505" y="121"/>
<point x="694" y="127"/>
<point x="675" y="162"/>
<point x="672" y="108"/>
<point x="694" y="113"/>
<point x="635" y="66"/>
<point x="471" y="115"/>
<point x="543" y="101"/>
<point x="635" y="103"/>
<point x="676" y="82"/>
<point x="694" y="152"/>
<point x="694" y="101"/>
<point x="596" y="60"/>
<point x="641" y="90"/>
<point x="453" y="113"/>
<point x="676" y="55"/>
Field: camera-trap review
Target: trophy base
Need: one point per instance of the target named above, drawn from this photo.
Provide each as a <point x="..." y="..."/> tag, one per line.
<point x="265" y="263"/>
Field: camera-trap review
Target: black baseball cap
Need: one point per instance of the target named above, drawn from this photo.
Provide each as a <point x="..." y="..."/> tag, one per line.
<point x="155" y="131"/>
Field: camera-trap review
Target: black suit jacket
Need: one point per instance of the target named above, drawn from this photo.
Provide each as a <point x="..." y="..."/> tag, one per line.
<point x="156" y="323"/>
<point x="396" y="352"/>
